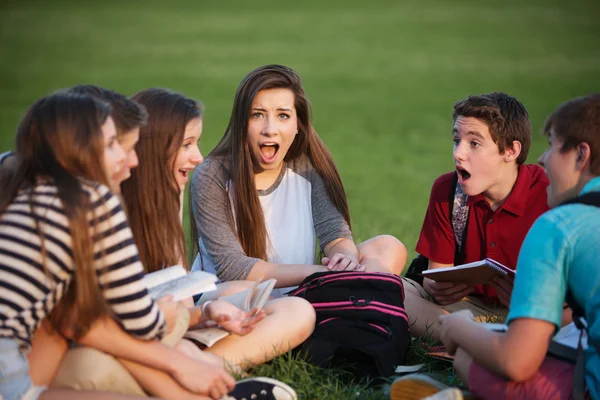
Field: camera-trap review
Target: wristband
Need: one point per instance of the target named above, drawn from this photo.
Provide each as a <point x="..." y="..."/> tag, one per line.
<point x="203" y="309"/>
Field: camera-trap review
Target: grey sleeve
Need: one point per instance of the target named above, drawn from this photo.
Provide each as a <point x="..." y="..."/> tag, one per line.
<point x="214" y="217"/>
<point x="328" y="221"/>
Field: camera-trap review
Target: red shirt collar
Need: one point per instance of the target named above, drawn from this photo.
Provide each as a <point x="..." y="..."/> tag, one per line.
<point x="517" y="199"/>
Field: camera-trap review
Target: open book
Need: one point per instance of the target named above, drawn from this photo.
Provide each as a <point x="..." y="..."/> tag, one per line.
<point x="474" y="273"/>
<point x="254" y="297"/>
<point x="175" y="281"/>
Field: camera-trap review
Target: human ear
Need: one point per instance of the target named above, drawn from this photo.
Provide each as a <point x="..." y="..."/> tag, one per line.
<point x="512" y="153"/>
<point x="583" y="156"/>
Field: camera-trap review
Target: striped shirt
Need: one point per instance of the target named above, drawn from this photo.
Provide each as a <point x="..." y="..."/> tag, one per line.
<point x="29" y="290"/>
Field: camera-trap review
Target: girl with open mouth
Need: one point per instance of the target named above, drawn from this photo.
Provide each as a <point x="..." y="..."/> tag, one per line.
<point x="270" y="191"/>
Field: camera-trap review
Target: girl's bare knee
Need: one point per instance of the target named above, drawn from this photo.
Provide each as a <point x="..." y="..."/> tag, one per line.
<point x="388" y="250"/>
<point x="295" y="315"/>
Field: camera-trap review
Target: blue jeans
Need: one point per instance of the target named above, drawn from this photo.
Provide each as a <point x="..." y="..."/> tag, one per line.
<point x="15" y="383"/>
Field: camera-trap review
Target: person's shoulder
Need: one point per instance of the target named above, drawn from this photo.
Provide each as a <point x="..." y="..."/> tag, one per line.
<point x="442" y="186"/>
<point x="301" y="165"/>
<point x="212" y="166"/>
<point x="97" y="192"/>
<point x="534" y="175"/>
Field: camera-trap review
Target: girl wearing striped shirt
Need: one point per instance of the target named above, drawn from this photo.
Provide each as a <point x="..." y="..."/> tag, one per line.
<point x="66" y="250"/>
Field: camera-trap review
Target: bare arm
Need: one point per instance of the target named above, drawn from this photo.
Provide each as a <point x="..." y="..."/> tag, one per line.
<point x="342" y="246"/>
<point x="185" y="370"/>
<point x="122" y="345"/>
<point x="501" y="353"/>
<point x="285" y="274"/>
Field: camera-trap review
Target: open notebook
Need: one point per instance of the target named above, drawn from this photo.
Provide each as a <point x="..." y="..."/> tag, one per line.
<point x="475" y="273"/>
<point x="177" y="282"/>
<point x="254" y="297"/>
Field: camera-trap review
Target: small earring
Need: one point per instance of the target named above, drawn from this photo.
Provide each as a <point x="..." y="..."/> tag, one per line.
<point x="296" y="132"/>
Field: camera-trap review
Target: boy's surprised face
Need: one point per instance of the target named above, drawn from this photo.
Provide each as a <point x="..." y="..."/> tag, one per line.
<point x="477" y="160"/>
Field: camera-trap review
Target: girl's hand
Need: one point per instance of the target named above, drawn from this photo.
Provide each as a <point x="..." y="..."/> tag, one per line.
<point x="231" y="318"/>
<point x="215" y="381"/>
<point x="342" y="262"/>
<point x="450" y="324"/>
<point x="169" y="310"/>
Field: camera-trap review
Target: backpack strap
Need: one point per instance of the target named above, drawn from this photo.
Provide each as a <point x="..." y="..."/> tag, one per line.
<point x="459" y="214"/>
<point x="5" y="156"/>
<point x="590" y="199"/>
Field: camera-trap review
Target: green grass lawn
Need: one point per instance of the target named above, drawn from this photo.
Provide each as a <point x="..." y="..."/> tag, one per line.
<point x="381" y="75"/>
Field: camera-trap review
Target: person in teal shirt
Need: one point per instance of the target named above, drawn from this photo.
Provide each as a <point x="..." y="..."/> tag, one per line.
<point x="560" y="252"/>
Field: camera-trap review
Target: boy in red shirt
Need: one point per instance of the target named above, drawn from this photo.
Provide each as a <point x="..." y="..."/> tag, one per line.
<point x="492" y="137"/>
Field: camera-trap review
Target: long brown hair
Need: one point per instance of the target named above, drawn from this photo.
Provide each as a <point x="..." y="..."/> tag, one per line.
<point x="233" y="146"/>
<point x="151" y="194"/>
<point x="60" y="141"/>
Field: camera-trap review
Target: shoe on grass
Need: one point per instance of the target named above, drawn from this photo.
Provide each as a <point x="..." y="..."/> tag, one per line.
<point x="261" y="389"/>
<point x="421" y="386"/>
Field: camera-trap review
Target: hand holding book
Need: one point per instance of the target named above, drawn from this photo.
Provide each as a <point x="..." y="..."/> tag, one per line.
<point x="474" y="273"/>
<point x="248" y="302"/>
<point x="231" y="318"/>
<point x="446" y="293"/>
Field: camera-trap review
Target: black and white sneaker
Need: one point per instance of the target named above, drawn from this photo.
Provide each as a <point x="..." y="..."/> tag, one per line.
<point x="261" y="389"/>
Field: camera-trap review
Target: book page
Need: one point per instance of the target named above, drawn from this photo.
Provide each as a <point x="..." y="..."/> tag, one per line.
<point x="207" y="336"/>
<point x="568" y="335"/>
<point x="163" y="275"/>
<point x="255" y="296"/>
<point x="475" y="273"/>
<point x="185" y="286"/>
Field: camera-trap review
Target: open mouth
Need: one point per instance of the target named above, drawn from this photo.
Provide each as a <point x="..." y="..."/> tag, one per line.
<point x="463" y="174"/>
<point x="183" y="173"/>
<point x="268" y="152"/>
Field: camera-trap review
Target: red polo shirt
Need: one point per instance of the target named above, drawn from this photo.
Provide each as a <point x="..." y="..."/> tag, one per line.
<point x="495" y="234"/>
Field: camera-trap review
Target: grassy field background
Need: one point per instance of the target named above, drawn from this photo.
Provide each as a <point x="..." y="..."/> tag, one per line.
<point x="381" y="75"/>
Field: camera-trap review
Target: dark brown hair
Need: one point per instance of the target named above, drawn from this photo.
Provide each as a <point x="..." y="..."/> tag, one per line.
<point x="151" y="194"/>
<point x="60" y="140"/>
<point x="506" y="118"/>
<point x="233" y="146"/>
<point x="126" y="113"/>
<point x="578" y="121"/>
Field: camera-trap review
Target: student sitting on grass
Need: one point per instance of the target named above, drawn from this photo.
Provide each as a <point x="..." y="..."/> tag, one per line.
<point x="52" y="206"/>
<point x="270" y="189"/>
<point x="560" y="254"/>
<point x="146" y="359"/>
<point x="168" y="151"/>
<point x="492" y="136"/>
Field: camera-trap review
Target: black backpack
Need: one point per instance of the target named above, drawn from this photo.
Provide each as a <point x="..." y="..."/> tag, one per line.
<point x="361" y="322"/>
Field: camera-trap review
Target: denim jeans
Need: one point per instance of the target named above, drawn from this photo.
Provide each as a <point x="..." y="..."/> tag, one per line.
<point x="15" y="383"/>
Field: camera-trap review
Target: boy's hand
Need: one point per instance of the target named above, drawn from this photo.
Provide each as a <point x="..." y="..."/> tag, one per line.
<point x="504" y="287"/>
<point x="450" y="324"/>
<point x="446" y="293"/>
<point x="201" y="377"/>
<point x="342" y="262"/>
<point x="231" y="318"/>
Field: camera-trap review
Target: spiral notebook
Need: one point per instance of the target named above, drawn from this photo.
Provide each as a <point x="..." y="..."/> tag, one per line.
<point x="475" y="273"/>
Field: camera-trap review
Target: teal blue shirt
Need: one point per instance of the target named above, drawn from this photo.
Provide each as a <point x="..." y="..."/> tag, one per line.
<point x="562" y="249"/>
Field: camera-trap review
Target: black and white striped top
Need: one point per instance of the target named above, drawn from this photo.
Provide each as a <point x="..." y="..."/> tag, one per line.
<point x="29" y="291"/>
